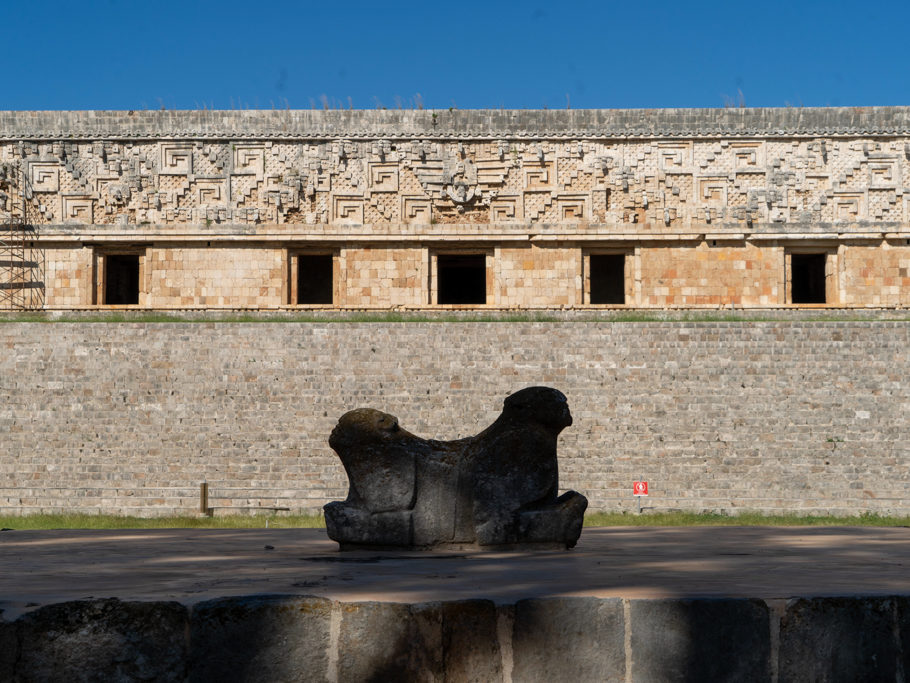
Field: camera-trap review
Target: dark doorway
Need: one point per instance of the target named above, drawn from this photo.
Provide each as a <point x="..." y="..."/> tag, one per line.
<point x="462" y="278"/>
<point x="121" y="279"/>
<point x="807" y="278"/>
<point x="314" y="279"/>
<point x="608" y="278"/>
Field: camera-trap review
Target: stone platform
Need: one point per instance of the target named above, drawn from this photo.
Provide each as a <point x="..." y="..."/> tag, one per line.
<point x="628" y="604"/>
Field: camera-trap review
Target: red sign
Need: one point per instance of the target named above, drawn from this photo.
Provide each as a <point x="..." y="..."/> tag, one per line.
<point x="639" y="488"/>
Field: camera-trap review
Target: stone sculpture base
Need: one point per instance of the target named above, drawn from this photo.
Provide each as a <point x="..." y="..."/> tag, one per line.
<point x="705" y="601"/>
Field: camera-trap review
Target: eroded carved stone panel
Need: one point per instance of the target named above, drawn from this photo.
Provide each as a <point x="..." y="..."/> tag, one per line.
<point x="650" y="181"/>
<point x="495" y="489"/>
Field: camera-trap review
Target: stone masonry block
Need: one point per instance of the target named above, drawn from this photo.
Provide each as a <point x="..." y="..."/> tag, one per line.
<point x="382" y="641"/>
<point x="103" y="640"/>
<point x="571" y="639"/>
<point x="444" y="641"/>
<point x="9" y="648"/>
<point x="700" y="640"/>
<point x="260" y="638"/>
<point x="903" y="626"/>
<point x="839" y="639"/>
<point x="470" y="645"/>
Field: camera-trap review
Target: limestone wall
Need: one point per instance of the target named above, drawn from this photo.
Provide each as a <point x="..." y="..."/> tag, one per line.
<point x="68" y="276"/>
<point x="239" y="276"/>
<point x="685" y="274"/>
<point x="130" y="418"/>
<point x="699" y="274"/>
<point x="545" y="276"/>
<point x="384" y="277"/>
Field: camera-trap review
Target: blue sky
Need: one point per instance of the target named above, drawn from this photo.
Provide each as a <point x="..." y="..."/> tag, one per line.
<point x="115" y="54"/>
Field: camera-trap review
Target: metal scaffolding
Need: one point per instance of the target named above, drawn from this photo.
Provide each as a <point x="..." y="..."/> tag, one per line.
<point x="21" y="262"/>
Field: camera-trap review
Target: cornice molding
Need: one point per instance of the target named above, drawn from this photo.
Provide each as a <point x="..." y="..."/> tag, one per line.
<point x="456" y="124"/>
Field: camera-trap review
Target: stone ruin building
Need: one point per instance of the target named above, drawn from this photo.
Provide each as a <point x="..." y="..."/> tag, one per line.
<point x="586" y="209"/>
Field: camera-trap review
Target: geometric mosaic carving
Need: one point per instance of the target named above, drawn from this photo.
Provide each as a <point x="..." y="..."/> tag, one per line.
<point x="249" y="160"/>
<point x="384" y="177"/>
<point x="176" y="159"/>
<point x="77" y="210"/>
<point x="505" y="208"/>
<point x="674" y="155"/>
<point x="347" y="209"/>
<point x="748" y="155"/>
<point x="540" y="176"/>
<point x="848" y="206"/>
<point x="210" y="192"/>
<point x="884" y="173"/>
<point x="572" y="208"/>
<point x="675" y="183"/>
<point x="44" y="177"/>
<point x="418" y="210"/>
<point x="712" y="191"/>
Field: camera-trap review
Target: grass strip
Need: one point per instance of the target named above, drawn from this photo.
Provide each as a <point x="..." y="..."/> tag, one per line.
<point x="444" y="317"/>
<point x="595" y="519"/>
<point x="87" y="521"/>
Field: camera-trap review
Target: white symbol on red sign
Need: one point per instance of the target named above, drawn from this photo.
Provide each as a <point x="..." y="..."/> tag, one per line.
<point x="639" y="488"/>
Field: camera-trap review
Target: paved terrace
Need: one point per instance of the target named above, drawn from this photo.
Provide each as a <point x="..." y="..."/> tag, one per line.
<point x="626" y="604"/>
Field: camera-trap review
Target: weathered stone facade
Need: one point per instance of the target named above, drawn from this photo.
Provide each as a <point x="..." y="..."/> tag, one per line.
<point x="697" y="208"/>
<point x="771" y="416"/>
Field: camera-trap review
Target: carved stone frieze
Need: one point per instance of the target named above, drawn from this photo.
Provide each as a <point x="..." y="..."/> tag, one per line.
<point x="683" y="170"/>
